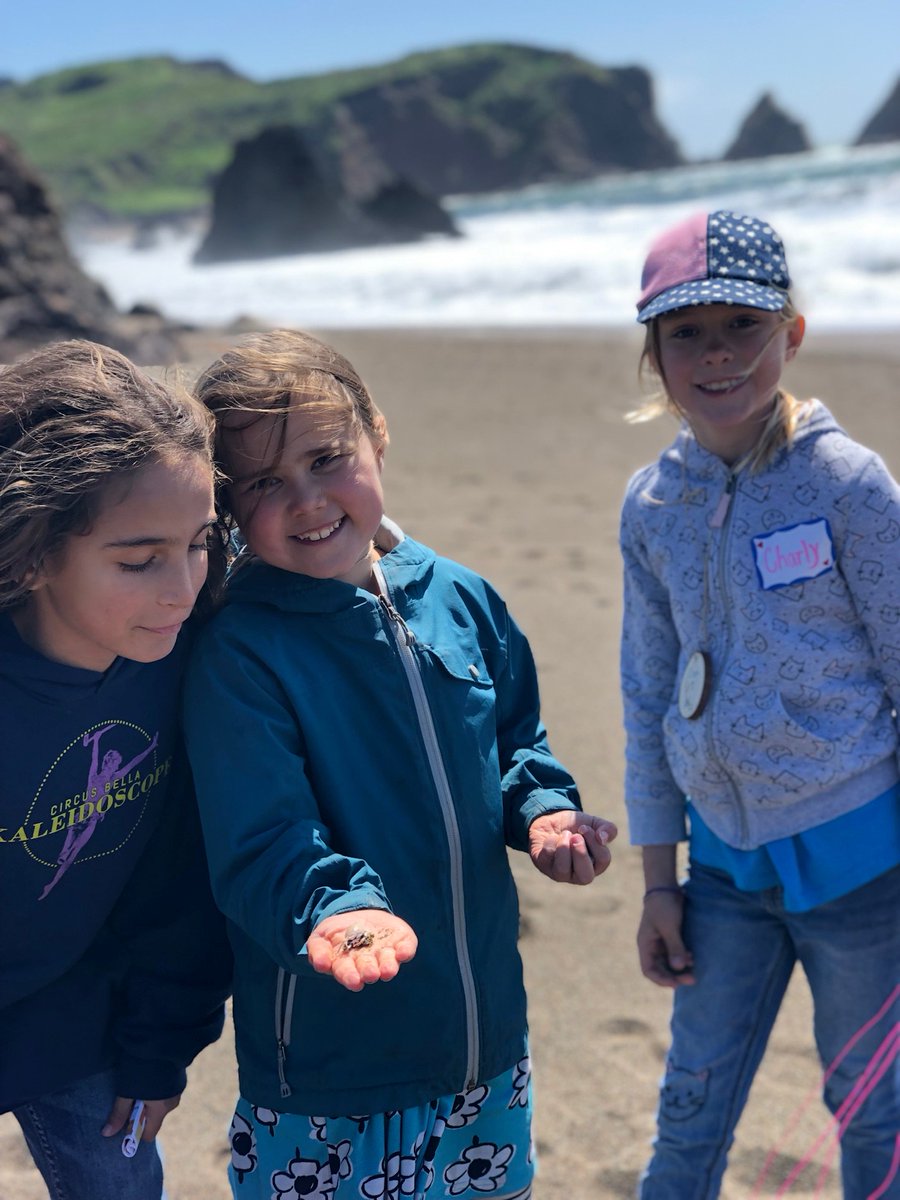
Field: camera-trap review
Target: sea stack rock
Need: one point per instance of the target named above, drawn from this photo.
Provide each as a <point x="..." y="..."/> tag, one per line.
<point x="884" y="126"/>
<point x="765" y="131"/>
<point x="44" y="294"/>
<point x="278" y="197"/>
<point x="409" y="213"/>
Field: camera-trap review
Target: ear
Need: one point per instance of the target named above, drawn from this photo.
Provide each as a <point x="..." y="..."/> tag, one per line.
<point x="795" y="337"/>
<point x="34" y="578"/>
<point x="379" y="457"/>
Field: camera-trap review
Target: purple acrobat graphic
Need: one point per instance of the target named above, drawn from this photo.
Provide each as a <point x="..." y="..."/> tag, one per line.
<point x="100" y="777"/>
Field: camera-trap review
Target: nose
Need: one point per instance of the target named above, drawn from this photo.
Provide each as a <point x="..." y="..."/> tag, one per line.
<point x="716" y="348"/>
<point x="305" y="496"/>
<point x="183" y="581"/>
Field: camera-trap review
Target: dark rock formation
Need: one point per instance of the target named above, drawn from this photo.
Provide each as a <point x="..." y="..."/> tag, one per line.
<point x="44" y="294"/>
<point x="471" y="118"/>
<point x="407" y="213"/>
<point x="277" y="197"/>
<point x="884" y="125"/>
<point x="466" y="127"/>
<point x="767" y="130"/>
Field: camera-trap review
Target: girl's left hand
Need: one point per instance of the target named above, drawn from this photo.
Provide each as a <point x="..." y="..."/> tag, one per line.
<point x="155" y="1112"/>
<point x="570" y="847"/>
<point x="365" y="946"/>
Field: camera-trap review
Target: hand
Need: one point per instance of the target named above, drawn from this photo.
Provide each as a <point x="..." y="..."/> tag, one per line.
<point x="365" y="946"/>
<point x="154" y="1110"/>
<point x="570" y="846"/>
<point x="663" y="955"/>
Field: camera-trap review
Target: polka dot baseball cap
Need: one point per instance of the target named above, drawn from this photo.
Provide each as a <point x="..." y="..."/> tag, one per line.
<point x="714" y="258"/>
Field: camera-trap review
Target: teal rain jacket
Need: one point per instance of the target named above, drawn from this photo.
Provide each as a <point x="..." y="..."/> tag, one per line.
<point x="356" y="752"/>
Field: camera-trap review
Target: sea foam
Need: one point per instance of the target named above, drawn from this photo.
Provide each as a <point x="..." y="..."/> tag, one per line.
<point x="566" y="255"/>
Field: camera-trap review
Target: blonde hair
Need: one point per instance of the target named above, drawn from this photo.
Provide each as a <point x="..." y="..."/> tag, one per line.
<point x="278" y="373"/>
<point x="74" y="417"/>
<point x="781" y="424"/>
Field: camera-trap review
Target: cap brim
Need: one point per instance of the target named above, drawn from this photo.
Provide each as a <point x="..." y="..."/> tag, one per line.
<point x="714" y="291"/>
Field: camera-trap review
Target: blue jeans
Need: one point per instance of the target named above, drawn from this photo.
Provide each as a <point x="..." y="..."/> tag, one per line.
<point x="63" y="1134"/>
<point x="745" y="946"/>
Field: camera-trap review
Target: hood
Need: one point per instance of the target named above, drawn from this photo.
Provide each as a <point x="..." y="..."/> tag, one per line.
<point x="29" y="671"/>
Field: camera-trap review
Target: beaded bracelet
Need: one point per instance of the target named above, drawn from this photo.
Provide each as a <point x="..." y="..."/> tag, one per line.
<point x="663" y="887"/>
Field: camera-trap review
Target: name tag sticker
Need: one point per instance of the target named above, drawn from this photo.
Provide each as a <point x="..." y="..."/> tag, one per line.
<point x="793" y="554"/>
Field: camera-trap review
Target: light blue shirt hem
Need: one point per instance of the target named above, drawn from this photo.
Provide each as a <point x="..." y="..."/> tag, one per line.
<point x="816" y="866"/>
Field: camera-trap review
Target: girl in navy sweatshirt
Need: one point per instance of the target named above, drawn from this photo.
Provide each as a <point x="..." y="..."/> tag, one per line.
<point x="113" y="961"/>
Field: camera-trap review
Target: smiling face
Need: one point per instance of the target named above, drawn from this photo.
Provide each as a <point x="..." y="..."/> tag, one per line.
<point x="721" y="366"/>
<point x="306" y="491"/>
<point x="126" y="586"/>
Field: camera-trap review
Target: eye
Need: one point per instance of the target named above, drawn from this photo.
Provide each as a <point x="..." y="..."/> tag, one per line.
<point x="681" y="333"/>
<point x="324" y="461"/>
<point x="137" y="568"/>
<point x="266" y="483"/>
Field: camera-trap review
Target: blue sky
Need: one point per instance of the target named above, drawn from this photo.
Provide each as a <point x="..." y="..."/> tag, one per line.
<point x="829" y="64"/>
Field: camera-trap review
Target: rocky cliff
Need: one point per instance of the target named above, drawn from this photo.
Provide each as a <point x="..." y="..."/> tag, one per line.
<point x="767" y="130"/>
<point x="44" y="294"/>
<point x="884" y="125"/>
<point x="465" y="119"/>
<point x="497" y="118"/>
<point x="276" y="196"/>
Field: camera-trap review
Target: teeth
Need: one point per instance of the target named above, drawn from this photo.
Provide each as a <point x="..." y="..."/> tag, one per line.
<point x="319" y="535"/>
<point x="724" y="385"/>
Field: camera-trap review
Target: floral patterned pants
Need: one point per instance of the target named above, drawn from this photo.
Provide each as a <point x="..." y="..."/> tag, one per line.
<point x="475" y="1144"/>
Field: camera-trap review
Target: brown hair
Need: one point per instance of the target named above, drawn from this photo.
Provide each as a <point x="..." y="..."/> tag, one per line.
<point x="780" y="426"/>
<point x="74" y="416"/>
<point x="279" y="372"/>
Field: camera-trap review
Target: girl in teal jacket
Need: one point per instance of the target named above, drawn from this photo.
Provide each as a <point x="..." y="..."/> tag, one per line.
<point x="364" y="728"/>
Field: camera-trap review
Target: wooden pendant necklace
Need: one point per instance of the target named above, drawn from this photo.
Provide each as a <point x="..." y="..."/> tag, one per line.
<point x="696" y="679"/>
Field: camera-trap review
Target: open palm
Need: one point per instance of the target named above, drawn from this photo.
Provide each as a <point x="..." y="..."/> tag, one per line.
<point x="368" y="945"/>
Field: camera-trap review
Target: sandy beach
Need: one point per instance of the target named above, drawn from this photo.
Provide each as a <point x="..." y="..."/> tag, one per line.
<point x="509" y="452"/>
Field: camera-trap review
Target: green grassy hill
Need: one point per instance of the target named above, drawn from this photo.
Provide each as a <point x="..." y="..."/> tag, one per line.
<point x="146" y="137"/>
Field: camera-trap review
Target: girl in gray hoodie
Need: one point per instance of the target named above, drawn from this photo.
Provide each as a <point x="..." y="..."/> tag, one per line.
<point x="761" y="683"/>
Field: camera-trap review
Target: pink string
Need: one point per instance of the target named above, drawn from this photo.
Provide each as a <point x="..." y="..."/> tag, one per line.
<point x="882" y="1188"/>
<point x="888" y="1051"/>
<point x="859" y="1093"/>
<point x="801" y="1109"/>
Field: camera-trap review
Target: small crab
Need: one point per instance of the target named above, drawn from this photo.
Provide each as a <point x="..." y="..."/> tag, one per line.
<point x="357" y="939"/>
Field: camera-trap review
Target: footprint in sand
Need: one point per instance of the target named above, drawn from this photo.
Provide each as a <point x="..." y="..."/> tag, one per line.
<point x="626" y="1025"/>
<point x="747" y="1166"/>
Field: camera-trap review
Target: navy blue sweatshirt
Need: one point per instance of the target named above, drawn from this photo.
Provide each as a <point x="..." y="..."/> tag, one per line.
<point x="112" y="953"/>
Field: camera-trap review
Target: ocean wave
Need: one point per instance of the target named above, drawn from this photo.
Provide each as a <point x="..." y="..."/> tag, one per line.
<point x="563" y="255"/>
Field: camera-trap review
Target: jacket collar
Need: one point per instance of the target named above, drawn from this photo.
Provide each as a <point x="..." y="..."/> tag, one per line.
<point x="252" y="581"/>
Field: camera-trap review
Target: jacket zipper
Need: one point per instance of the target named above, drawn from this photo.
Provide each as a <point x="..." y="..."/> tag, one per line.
<point x="284" y="1011"/>
<point x="721" y="519"/>
<point x="404" y="638"/>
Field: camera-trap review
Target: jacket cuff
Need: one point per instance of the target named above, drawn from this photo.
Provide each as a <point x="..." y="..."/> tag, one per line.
<point x="539" y="805"/>
<point x="143" y="1080"/>
<point x="352" y="902"/>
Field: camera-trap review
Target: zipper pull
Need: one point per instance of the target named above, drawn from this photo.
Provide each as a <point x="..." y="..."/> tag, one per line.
<point x="394" y="616"/>
<point x="717" y="520"/>
<point x="282" y="1055"/>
